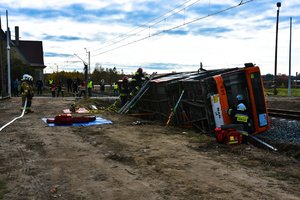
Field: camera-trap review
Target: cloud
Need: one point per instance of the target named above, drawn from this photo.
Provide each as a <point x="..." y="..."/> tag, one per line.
<point x="62" y="38"/>
<point x="53" y="54"/>
<point x="243" y="34"/>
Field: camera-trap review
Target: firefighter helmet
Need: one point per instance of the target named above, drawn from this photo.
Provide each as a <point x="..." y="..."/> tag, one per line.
<point x="125" y="79"/>
<point x="240" y="97"/>
<point x="140" y="70"/>
<point x="27" y="77"/>
<point x="241" y="107"/>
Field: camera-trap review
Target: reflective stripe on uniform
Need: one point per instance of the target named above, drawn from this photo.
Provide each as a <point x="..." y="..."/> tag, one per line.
<point x="241" y="118"/>
<point x="90" y="84"/>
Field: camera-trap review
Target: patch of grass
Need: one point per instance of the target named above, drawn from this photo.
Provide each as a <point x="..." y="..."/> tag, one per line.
<point x="283" y="92"/>
<point x="284" y="176"/>
<point x="3" y="189"/>
<point x="197" y="137"/>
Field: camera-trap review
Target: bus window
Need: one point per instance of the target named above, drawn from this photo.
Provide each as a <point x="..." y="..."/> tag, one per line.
<point x="236" y="84"/>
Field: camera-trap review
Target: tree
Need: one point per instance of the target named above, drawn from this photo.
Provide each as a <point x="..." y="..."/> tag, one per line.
<point x="282" y="80"/>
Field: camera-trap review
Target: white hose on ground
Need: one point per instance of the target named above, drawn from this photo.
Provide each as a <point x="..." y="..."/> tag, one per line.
<point x="23" y="112"/>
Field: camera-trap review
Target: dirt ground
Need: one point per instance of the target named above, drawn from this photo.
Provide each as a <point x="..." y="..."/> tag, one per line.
<point x="127" y="160"/>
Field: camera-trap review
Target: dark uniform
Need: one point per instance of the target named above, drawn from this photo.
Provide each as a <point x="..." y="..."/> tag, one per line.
<point x="136" y="82"/>
<point x="39" y="85"/>
<point x="240" y="115"/>
<point x="124" y="91"/>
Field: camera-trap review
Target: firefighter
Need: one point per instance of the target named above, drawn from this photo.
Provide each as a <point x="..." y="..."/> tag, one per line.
<point x="124" y="90"/>
<point x="240" y="115"/>
<point x="136" y="82"/>
<point x="27" y="92"/>
<point x="138" y="78"/>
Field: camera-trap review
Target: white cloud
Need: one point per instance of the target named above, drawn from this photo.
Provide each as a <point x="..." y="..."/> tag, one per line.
<point x="250" y="36"/>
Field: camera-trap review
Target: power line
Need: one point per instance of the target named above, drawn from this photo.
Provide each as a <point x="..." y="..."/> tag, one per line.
<point x="176" y="27"/>
<point x="147" y="25"/>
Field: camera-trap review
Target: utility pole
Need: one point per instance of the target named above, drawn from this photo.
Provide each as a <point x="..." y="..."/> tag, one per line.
<point x="1" y="64"/>
<point x="85" y="74"/>
<point x="276" y="45"/>
<point x="290" y="59"/>
<point x="8" y="56"/>
<point x="89" y="61"/>
<point x="56" y="68"/>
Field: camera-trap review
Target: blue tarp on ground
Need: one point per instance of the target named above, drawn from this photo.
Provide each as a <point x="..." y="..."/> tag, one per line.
<point x="98" y="121"/>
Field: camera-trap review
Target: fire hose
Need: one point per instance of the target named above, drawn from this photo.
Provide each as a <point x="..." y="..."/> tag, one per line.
<point x="23" y="112"/>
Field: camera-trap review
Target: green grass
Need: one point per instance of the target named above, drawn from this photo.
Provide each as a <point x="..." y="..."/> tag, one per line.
<point x="283" y="92"/>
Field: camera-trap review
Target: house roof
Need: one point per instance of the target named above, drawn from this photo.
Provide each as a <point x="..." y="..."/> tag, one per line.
<point x="32" y="52"/>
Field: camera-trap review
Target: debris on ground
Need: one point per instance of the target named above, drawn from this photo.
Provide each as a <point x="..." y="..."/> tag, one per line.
<point x="145" y="162"/>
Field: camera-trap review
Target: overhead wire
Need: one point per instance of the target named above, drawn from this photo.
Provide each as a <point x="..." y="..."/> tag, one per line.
<point x="176" y="27"/>
<point x="147" y="25"/>
<point x="242" y="2"/>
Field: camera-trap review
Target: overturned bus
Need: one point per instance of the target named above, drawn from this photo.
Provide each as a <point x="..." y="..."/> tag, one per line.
<point x="201" y="98"/>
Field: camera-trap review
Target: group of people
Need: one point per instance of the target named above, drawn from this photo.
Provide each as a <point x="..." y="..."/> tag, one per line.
<point x="17" y="86"/>
<point x="129" y="87"/>
<point x="76" y="86"/>
<point x="57" y="89"/>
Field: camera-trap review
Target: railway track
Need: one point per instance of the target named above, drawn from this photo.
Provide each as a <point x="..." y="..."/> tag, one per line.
<point x="288" y="114"/>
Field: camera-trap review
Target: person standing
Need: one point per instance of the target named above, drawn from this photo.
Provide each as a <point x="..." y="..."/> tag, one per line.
<point x="138" y="78"/>
<point x="50" y="81"/>
<point x="69" y="84"/>
<point x="16" y="87"/>
<point x="90" y="86"/>
<point x="102" y="87"/>
<point x="26" y="90"/>
<point x="116" y="89"/>
<point x="59" y="87"/>
<point x="82" y="89"/>
<point x="124" y="90"/>
<point x="53" y="89"/>
<point x="75" y="88"/>
<point x="39" y="85"/>
<point x="63" y="90"/>
<point x="136" y="82"/>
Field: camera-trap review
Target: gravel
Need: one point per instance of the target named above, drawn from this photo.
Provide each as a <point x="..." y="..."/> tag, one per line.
<point x="282" y="131"/>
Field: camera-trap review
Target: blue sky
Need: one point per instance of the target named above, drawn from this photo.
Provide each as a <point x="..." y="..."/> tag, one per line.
<point x="158" y="35"/>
